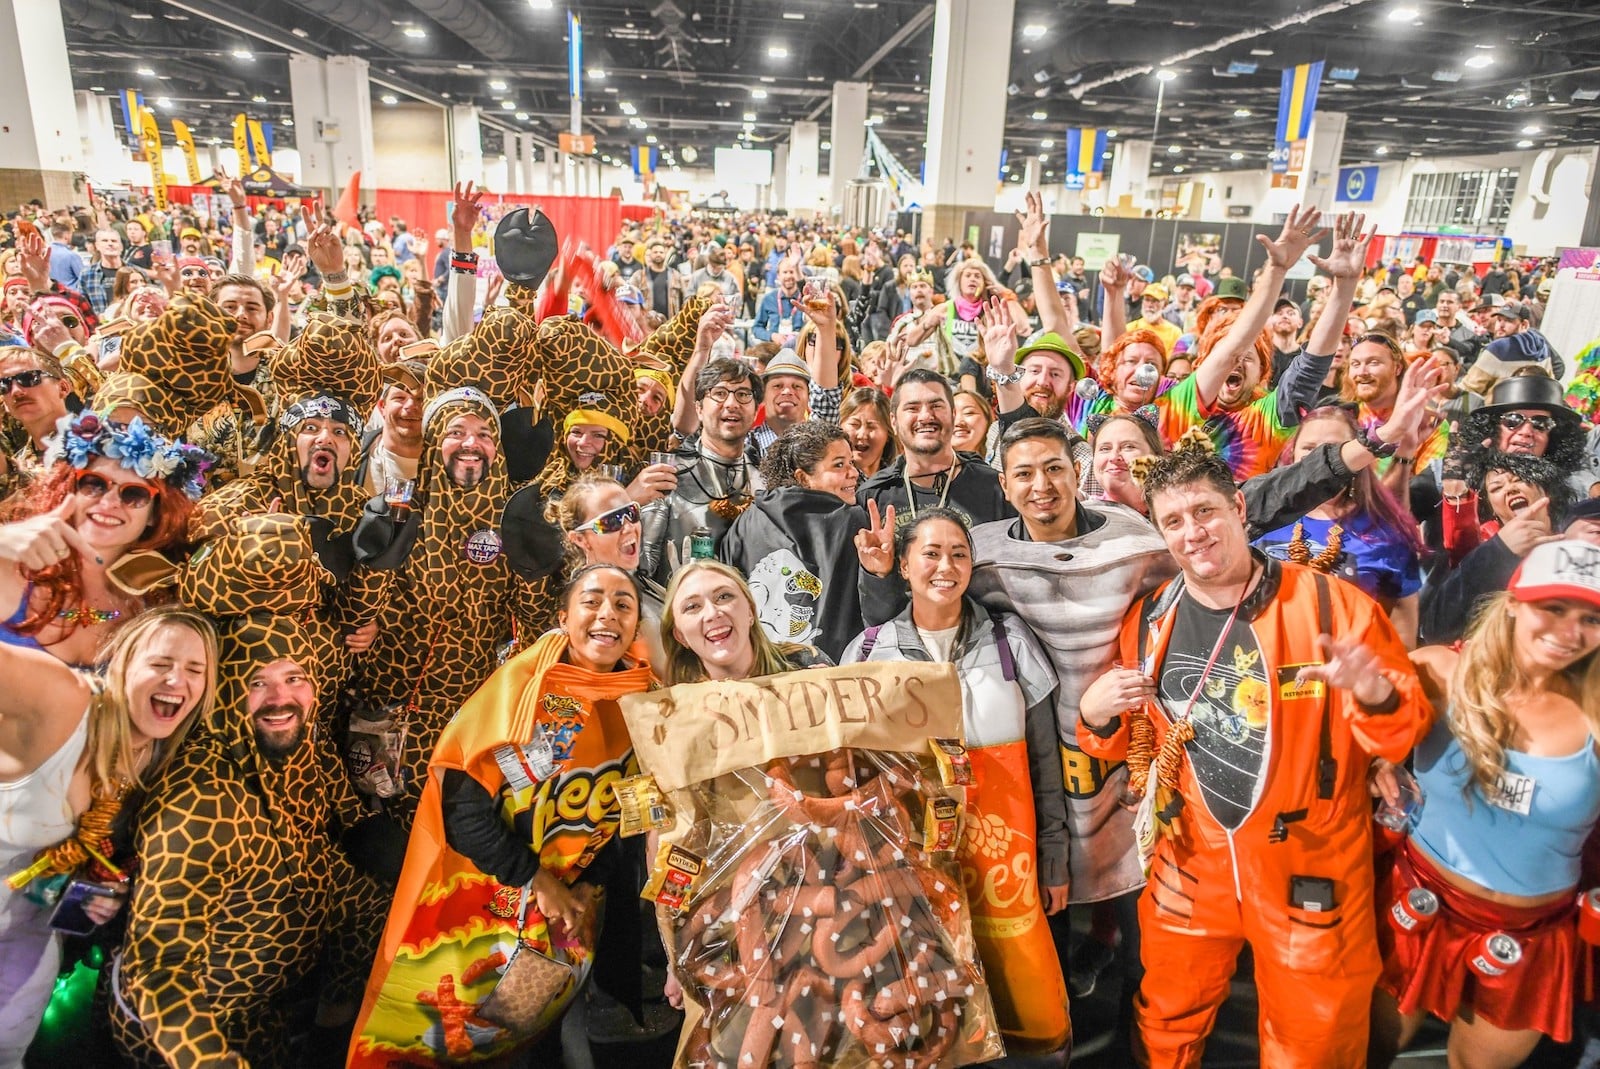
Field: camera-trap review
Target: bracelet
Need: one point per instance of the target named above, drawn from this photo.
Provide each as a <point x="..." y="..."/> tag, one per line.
<point x="1043" y="261"/>
<point x="336" y="278"/>
<point x="465" y="262"/>
<point x="1004" y="380"/>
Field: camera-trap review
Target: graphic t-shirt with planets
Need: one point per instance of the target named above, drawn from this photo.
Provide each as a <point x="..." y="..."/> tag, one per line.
<point x="1232" y="707"/>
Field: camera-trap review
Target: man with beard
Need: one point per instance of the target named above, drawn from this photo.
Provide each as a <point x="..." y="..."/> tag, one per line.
<point x="1463" y="335"/>
<point x="36" y="397"/>
<point x="1284" y="326"/>
<point x="323" y="445"/>
<point x="928" y="470"/>
<point x="1226" y="395"/>
<point x="1372" y="380"/>
<point x="779" y="317"/>
<point x="466" y="447"/>
<point x="246" y="880"/>
<point x="716" y="480"/>
<point x="663" y="286"/>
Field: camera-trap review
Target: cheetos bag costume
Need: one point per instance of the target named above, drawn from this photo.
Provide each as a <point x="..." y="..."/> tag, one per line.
<point x="453" y="930"/>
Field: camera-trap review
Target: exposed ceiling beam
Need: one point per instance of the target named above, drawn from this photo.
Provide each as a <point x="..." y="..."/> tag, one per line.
<point x="908" y="29"/>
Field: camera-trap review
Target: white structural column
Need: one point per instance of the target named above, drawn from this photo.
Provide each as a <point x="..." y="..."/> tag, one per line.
<point x="525" y="154"/>
<point x="102" y="142"/>
<point x="512" y="151"/>
<point x="1324" y="146"/>
<point x="1130" y="172"/>
<point x="332" y="101"/>
<point x="40" y="144"/>
<point x="966" y="106"/>
<point x="1031" y="173"/>
<point x="466" y="144"/>
<point x="848" y="135"/>
<point x="776" y="195"/>
<point x="801" y="187"/>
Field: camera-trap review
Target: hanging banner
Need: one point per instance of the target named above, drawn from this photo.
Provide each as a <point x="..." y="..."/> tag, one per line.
<point x="1005" y="154"/>
<point x="260" y="151"/>
<point x="241" y="143"/>
<point x="132" y="102"/>
<point x="574" y="56"/>
<point x="152" y="154"/>
<point x="907" y="190"/>
<point x="1086" y="145"/>
<point x="644" y="159"/>
<point x="185" y="142"/>
<point x="1297" y="101"/>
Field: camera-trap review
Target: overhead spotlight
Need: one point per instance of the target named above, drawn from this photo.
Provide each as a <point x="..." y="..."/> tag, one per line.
<point x="1480" y="61"/>
<point x="1179" y="169"/>
<point x="1235" y="155"/>
<point x="145" y="72"/>
<point x="498" y="86"/>
<point x="1524" y="143"/>
<point x="1403" y="13"/>
<point x="627" y="108"/>
<point x="163" y="102"/>
<point x="1241" y="113"/>
<point x="415" y="32"/>
<point x="287" y="122"/>
<point x="1166" y="74"/>
<point x="298" y="32"/>
<point x="826" y="146"/>
<point x="1173" y="150"/>
<point x="258" y="99"/>
<point x="508" y="105"/>
<point x="777" y="52"/>
<point x="1111" y="133"/>
<point x="541" y="5"/>
<point x="749" y="116"/>
<point x="1047" y="143"/>
<point x="1532" y="128"/>
<point x="1039" y="116"/>
<point x="758" y="94"/>
<point x="1105" y="155"/>
<point x="390" y="98"/>
<point x="242" y="53"/>
<point x="1033" y="31"/>
<point x="597" y="73"/>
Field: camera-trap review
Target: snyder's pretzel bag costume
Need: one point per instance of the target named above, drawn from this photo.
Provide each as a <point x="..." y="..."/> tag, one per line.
<point x="1272" y="845"/>
<point x="449" y="957"/>
<point x="806" y="884"/>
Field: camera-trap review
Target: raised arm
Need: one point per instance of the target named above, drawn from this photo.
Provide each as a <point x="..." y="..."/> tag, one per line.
<point x="1035" y="245"/>
<point x="1114" y="280"/>
<point x="1000" y="351"/>
<point x="1351" y="239"/>
<point x="1300" y="232"/>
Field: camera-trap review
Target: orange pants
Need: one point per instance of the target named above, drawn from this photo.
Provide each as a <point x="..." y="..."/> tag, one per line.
<point x="1315" y="989"/>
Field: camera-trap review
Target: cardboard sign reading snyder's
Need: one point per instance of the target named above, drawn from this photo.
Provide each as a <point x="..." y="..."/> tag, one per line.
<point x="697" y="731"/>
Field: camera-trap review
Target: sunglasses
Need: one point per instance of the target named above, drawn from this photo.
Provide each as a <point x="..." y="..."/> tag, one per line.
<point x="1512" y="421"/>
<point x="132" y="495"/>
<point x="25" y="379"/>
<point x="611" y="522"/>
<point x="1382" y="339"/>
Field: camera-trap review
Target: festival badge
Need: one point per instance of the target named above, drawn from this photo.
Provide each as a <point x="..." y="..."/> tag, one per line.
<point x="482" y="546"/>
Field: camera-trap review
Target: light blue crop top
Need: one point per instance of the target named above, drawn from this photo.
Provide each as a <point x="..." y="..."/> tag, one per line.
<point x="9" y="636"/>
<point x="1498" y="847"/>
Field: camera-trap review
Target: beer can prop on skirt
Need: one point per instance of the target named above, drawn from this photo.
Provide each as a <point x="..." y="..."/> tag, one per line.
<point x="1415" y="909"/>
<point x="1497" y="953"/>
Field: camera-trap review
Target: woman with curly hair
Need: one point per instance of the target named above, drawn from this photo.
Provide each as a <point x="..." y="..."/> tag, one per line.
<point x="108" y="492"/>
<point x="788" y="543"/>
<point x="1511" y="777"/>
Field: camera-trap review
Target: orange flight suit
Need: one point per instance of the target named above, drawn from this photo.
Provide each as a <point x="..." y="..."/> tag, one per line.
<point x="1212" y="890"/>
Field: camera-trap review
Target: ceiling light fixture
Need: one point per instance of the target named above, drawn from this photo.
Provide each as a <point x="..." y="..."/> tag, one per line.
<point x="415" y="32"/>
<point x="145" y="72"/>
<point x="166" y="102"/>
<point x="1039" y="116"/>
<point x="298" y="32"/>
<point x="287" y="122"/>
<point x="1235" y="155"/>
<point x="1111" y="133"/>
<point x="1402" y="13"/>
<point x="508" y="105"/>
<point x="627" y="108"/>
<point x="1241" y="113"/>
<point x="1047" y="143"/>
<point x="1480" y="61"/>
<point x="541" y="5"/>
<point x="1166" y="74"/>
<point x="795" y="16"/>
<point x="827" y="146"/>
<point x="390" y="98"/>
<point x="1173" y="150"/>
<point x="498" y="86"/>
<point x="597" y="74"/>
<point x="1381" y="150"/>
<point x="1261" y="51"/>
<point x="758" y="94"/>
<point x="1033" y="31"/>
<point x="522" y="115"/>
<point x="258" y="99"/>
<point x="777" y="52"/>
<point x="1532" y="128"/>
<point x="1524" y="143"/>
<point x="749" y="116"/>
<point x="242" y="53"/>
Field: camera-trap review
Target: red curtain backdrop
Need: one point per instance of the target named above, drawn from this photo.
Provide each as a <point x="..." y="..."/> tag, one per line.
<point x="595" y="220"/>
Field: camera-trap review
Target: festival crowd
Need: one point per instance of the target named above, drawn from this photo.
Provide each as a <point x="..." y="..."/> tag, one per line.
<point x="331" y="554"/>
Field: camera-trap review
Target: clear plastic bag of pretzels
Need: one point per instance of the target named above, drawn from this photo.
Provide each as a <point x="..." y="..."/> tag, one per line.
<point x="804" y="874"/>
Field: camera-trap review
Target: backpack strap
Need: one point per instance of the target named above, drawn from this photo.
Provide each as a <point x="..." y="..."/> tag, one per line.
<point x="1327" y="767"/>
<point x="1008" y="661"/>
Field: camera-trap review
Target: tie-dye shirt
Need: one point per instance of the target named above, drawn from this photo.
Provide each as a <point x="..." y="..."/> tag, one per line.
<point x="1249" y="438"/>
<point x="1434" y="447"/>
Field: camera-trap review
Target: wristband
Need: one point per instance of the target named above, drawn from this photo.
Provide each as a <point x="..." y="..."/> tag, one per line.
<point x="1004" y="380"/>
<point x="465" y="262"/>
<point x="336" y="278"/>
<point x="1043" y="261"/>
<point x="1372" y="444"/>
<point x="338" y="291"/>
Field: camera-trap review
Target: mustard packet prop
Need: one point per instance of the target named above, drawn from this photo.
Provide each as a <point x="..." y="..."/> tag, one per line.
<point x="941" y="825"/>
<point x="955" y="767"/>
<point x="673" y="877"/>
<point x="643" y="807"/>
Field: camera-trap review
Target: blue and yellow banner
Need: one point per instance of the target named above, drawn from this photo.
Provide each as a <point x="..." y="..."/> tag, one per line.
<point x="644" y="159"/>
<point x="151" y="133"/>
<point x="1297" y="101"/>
<point x="132" y="102"/>
<point x="1086" y="149"/>
<point x="260" y="146"/>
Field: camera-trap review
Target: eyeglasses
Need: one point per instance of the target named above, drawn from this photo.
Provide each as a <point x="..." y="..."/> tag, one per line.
<point x="613" y="521"/>
<point x="25" y="379"/>
<point x="1512" y="421"/>
<point x="132" y="495"/>
<point x="720" y="396"/>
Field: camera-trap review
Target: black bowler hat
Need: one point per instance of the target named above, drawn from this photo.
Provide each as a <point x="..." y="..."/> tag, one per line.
<point x="534" y="546"/>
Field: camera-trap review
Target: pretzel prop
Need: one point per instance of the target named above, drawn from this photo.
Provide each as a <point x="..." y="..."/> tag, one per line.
<point x="827" y="936"/>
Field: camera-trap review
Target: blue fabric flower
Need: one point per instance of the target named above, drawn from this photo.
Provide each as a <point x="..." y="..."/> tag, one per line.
<point x="134" y="447"/>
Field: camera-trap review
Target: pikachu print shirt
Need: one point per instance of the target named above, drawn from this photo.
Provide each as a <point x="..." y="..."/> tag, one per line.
<point x="1232" y="706"/>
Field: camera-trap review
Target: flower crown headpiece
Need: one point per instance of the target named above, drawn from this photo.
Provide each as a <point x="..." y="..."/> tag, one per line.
<point x="81" y="438"/>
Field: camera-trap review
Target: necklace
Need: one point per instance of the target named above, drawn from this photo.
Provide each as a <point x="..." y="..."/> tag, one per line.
<point x="941" y="485"/>
<point x="86" y="615"/>
<point x="736" y="497"/>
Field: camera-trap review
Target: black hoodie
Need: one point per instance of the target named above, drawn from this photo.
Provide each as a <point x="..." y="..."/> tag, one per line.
<point x="796" y="548"/>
